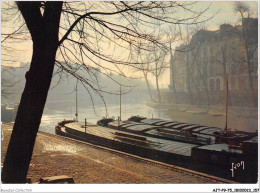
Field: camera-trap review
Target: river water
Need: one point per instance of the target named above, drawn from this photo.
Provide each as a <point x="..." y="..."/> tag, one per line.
<point x="52" y="117"/>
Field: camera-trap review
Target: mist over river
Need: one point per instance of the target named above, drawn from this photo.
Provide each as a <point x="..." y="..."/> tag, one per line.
<point x="52" y="117"/>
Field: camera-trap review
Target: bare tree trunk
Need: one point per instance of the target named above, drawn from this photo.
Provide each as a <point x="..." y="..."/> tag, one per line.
<point x="157" y="73"/>
<point x="173" y="82"/>
<point x="198" y="91"/>
<point x="195" y="55"/>
<point x="158" y="89"/>
<point x="204" y="83"/>
<point x="251" y="81"/>
<point x="38" y="79"/>
<point x="189" y="86"/>
<point x="223" y="49"/>
<point x="157" y="82"/>
<point x="148" y="87"/>
<point x="28" y="118"/>
<point x="248" y="58"/>
<point x="172" y="71"/>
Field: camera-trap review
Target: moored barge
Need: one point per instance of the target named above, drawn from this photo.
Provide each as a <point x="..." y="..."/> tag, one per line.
<point x="205" y="149"/>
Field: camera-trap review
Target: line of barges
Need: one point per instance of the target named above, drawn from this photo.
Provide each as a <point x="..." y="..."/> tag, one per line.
<point x="205" y="149"/>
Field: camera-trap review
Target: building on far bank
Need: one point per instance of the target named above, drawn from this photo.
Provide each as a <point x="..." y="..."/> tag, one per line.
<point x="199" y="72"/>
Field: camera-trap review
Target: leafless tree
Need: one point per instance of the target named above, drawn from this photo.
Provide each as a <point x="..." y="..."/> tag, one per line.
<point x="159" y="67"/>
<point x="242" y="8"/>
<point x="201" y="76"/>
<point x="192" y="48"/>
<point x="7" y="82"/>
<point x="224" y="63"/>
<point x="144" y="68"/>
<point x="153" y="64"/>
<point x="172" y="36"/>
<point x="250" y="43"/>
<point x="83" y="35"/>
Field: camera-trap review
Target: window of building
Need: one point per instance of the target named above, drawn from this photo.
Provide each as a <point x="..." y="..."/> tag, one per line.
<point x="212" y="51"/>
<point x="247" y="85"/>
<point x="210" y="66"/>
<point x="205" y="84"/>
<point x="234" y="68"/>
<point x="217" y="84"/>
<point x="205" y="51"/>
<point x="233" y="83"/>
<point x="211" y="84"/>
<point x="204" y="70"/>
<point x="242" y="83"/>
<point x="219" y="70"/>
<point x="255" y="84"/>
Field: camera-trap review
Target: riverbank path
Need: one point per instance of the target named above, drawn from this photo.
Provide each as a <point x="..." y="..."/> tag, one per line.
<point x="89" y="164"/>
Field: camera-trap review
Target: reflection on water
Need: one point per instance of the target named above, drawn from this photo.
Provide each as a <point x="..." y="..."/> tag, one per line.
<point x="52" y="117"/>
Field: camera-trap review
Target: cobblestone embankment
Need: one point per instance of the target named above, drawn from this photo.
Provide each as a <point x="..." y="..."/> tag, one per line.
<point x="56" y="155"/>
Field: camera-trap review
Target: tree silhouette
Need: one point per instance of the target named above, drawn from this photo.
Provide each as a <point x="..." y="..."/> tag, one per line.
<point x="159" y="68"/>
<point x="249" y="37"/>
<point x="79" y="37"/>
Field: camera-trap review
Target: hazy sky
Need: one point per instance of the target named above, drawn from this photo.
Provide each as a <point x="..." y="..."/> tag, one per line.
<point x="224" y="10"/>
<point x="226" y="13"/>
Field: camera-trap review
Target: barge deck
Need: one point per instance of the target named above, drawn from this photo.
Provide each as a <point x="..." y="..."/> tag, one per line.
<point x="211" y="159"/>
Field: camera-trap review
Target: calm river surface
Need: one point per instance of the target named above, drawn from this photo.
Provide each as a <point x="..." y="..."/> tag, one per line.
<point x="52" y="117"/>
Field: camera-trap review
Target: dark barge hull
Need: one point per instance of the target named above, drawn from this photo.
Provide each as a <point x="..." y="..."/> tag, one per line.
<point x="142" y="148"/>
<point x="166" y="157"/>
